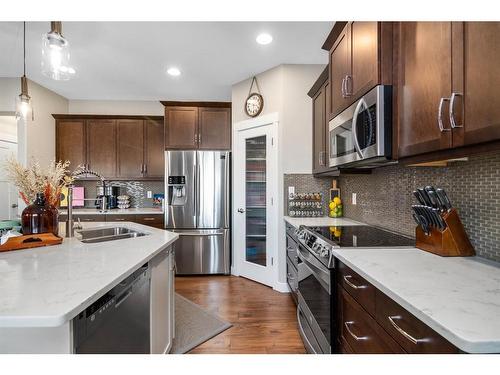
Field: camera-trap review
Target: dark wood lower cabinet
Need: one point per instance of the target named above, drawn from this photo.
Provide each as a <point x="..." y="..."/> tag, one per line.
<point x="412" y="334"/>
<point x="362" y="332"/>
<point x="369" y="322"/>
<point x="152" y="220"/>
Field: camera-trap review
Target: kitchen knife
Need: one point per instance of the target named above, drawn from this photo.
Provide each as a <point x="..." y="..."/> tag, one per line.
<point x="417" y="195"/>
<point x="423" y="213"/>
<point x="420" y="219"/>
<point x="429" y="215"/>
<point x="425" y="197"/>
<point x="443" y="197"/>
<point x="434" y="198"/>
<point x="440" y="220"/>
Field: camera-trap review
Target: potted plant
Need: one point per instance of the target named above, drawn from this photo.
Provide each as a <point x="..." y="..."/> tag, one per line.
<point x="40" y="189"/>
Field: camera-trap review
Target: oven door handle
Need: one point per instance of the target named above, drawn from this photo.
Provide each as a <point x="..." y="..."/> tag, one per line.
<point x="316" y="268"/>
<point x="355" y="127"/>
<point x="301" y="328"/>
<point x="311" y="262"/>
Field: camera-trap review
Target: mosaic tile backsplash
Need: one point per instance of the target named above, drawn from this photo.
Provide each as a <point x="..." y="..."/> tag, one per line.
<point x="137" y="190"/>
<point x="384" y="197"/>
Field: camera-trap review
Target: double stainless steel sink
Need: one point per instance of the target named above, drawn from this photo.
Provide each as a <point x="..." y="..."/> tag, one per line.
<point x="107" y="234"/>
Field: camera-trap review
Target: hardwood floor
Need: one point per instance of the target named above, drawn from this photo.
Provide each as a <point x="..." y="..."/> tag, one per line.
<point x="264" y="321"/>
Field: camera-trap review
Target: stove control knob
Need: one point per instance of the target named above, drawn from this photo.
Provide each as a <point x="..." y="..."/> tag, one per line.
<point x="324" y="251"/>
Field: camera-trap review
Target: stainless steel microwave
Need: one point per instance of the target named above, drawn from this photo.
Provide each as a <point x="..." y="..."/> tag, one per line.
<point x="361" y="135"/>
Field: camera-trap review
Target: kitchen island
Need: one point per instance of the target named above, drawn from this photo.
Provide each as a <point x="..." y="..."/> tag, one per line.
<point x="43" y="289"/>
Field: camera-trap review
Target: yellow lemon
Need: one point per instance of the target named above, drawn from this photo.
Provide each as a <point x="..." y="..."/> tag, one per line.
<point x="332" y="205"/>
<point x="337" y="200"/>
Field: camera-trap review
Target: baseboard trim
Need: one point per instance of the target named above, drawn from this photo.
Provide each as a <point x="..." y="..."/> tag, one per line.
<point x="281" y="287"/>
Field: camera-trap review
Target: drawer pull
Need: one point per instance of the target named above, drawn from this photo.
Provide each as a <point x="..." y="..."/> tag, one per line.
<point x="148" y="218"/>
<point x="356" y="337"/>
<point x="403" y="332"/>
<point x="354" y="286"/>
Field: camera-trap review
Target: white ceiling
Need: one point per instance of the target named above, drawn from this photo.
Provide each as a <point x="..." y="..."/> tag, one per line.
<point x="128" y="60"/>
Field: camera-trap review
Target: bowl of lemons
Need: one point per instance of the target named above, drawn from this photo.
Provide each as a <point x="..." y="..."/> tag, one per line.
<point x="335" y="207"/>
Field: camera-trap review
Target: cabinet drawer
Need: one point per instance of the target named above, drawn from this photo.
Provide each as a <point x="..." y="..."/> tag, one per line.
<point x="412" y="334"/>
<point x="360" y="289"/>
<point x="291" y="251"/>
<point x="345" y="348"/>
<point x="120" y="217"/>
<point x="87" y="218"/>
<point x="155" y="220"/>
<point x="362" y="332"/>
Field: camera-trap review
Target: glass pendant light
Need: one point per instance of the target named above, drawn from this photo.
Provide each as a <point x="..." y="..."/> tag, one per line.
<point x="23" y="102"/>
<point x="55" y="54"/>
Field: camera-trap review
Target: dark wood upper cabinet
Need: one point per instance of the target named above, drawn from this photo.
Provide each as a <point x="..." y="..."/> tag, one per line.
<point x="130" y="148"/>
<point x="424" y="83"/>
<point x="181" y="127"/>
<point x="340" y="70"/>
<point x="101" y="146"/>
<point x="447" y="78"/>
<point x="360" y="59"/>
<point x="320" y="95"/>
<point x="70" y="142"/>
<point x="119" y="147"/>
<point x="364" y="58"/>
<point x="479" y="89"/>
<point x="198" y="125"/>
<point x="319" y="115"/>
<point x="155" y="148"/>
<point x="214" y="131"/>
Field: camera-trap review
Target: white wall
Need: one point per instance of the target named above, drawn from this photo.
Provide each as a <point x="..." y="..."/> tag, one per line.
<point x="284" y="89"/>
<point x="36" y="138"/>
<point x="41" y="132"/>
<point x="116" y="107"/>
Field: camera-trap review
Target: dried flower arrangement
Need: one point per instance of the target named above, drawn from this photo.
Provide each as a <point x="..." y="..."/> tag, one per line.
<point x="33" y="179"/>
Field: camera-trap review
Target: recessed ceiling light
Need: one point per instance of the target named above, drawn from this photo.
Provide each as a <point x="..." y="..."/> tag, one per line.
<point x="174" y="71"/>
<point x="264" y="38"/>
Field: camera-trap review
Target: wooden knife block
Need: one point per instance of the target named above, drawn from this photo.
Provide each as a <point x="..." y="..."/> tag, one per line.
<point x="451" y="242"/>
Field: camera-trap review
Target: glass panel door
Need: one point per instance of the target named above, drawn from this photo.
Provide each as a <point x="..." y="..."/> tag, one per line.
<point x="255" y="185"/>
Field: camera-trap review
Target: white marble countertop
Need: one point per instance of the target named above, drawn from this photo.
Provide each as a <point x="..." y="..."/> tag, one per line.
<point x="47" y="286"/>
<point x="320" y="221"/>
<point x="458" y="297"/>
<point x="117" y="211"/>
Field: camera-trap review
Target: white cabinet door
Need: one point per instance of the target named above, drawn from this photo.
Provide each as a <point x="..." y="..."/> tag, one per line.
<point x="255" y="205"/>
<point x="161" y="302"/>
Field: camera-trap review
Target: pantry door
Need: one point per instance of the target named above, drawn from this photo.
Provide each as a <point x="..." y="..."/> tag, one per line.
<point x="255" y="206"/>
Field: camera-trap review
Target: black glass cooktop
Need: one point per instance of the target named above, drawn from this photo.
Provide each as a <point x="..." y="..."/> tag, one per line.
<point x="361" y="236"/>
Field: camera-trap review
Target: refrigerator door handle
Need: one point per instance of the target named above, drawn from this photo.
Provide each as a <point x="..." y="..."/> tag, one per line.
<point x="226" y="191"/>
<point x="197" y="197"/>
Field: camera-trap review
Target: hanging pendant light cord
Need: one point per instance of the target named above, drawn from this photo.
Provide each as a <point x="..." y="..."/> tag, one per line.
<point x="24" y="46"/>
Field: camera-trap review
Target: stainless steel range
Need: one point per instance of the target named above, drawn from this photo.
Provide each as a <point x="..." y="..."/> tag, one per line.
<point x="316" y="276"/>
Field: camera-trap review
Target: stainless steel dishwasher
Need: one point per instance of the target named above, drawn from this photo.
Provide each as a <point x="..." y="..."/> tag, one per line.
<point x="119" y="321"/>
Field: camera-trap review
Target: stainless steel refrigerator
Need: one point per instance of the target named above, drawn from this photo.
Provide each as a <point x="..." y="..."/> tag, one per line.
<point x="197" y="208"/>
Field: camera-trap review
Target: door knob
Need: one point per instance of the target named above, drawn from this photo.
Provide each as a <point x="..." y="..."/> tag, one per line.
<point x="241" y="210"/>
<point x="14" y="205"/>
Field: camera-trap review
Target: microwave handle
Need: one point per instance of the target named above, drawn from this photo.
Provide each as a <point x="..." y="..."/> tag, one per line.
<point x="354" y="127"/>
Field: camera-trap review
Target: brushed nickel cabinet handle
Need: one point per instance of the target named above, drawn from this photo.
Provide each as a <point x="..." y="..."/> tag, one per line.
<point x="347" y="79"/>
<point x="351" y="284"/>
<point x="405" y="334"/>
<point x="148" y="218"/>
<point x="452" y="109"/>
<point x="440" y="115"/>
<point x="347" y="326"/>
<point x="342" y="88"/>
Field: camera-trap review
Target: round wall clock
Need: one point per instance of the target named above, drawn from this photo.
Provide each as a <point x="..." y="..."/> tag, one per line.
<point x="254" y="104"/>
